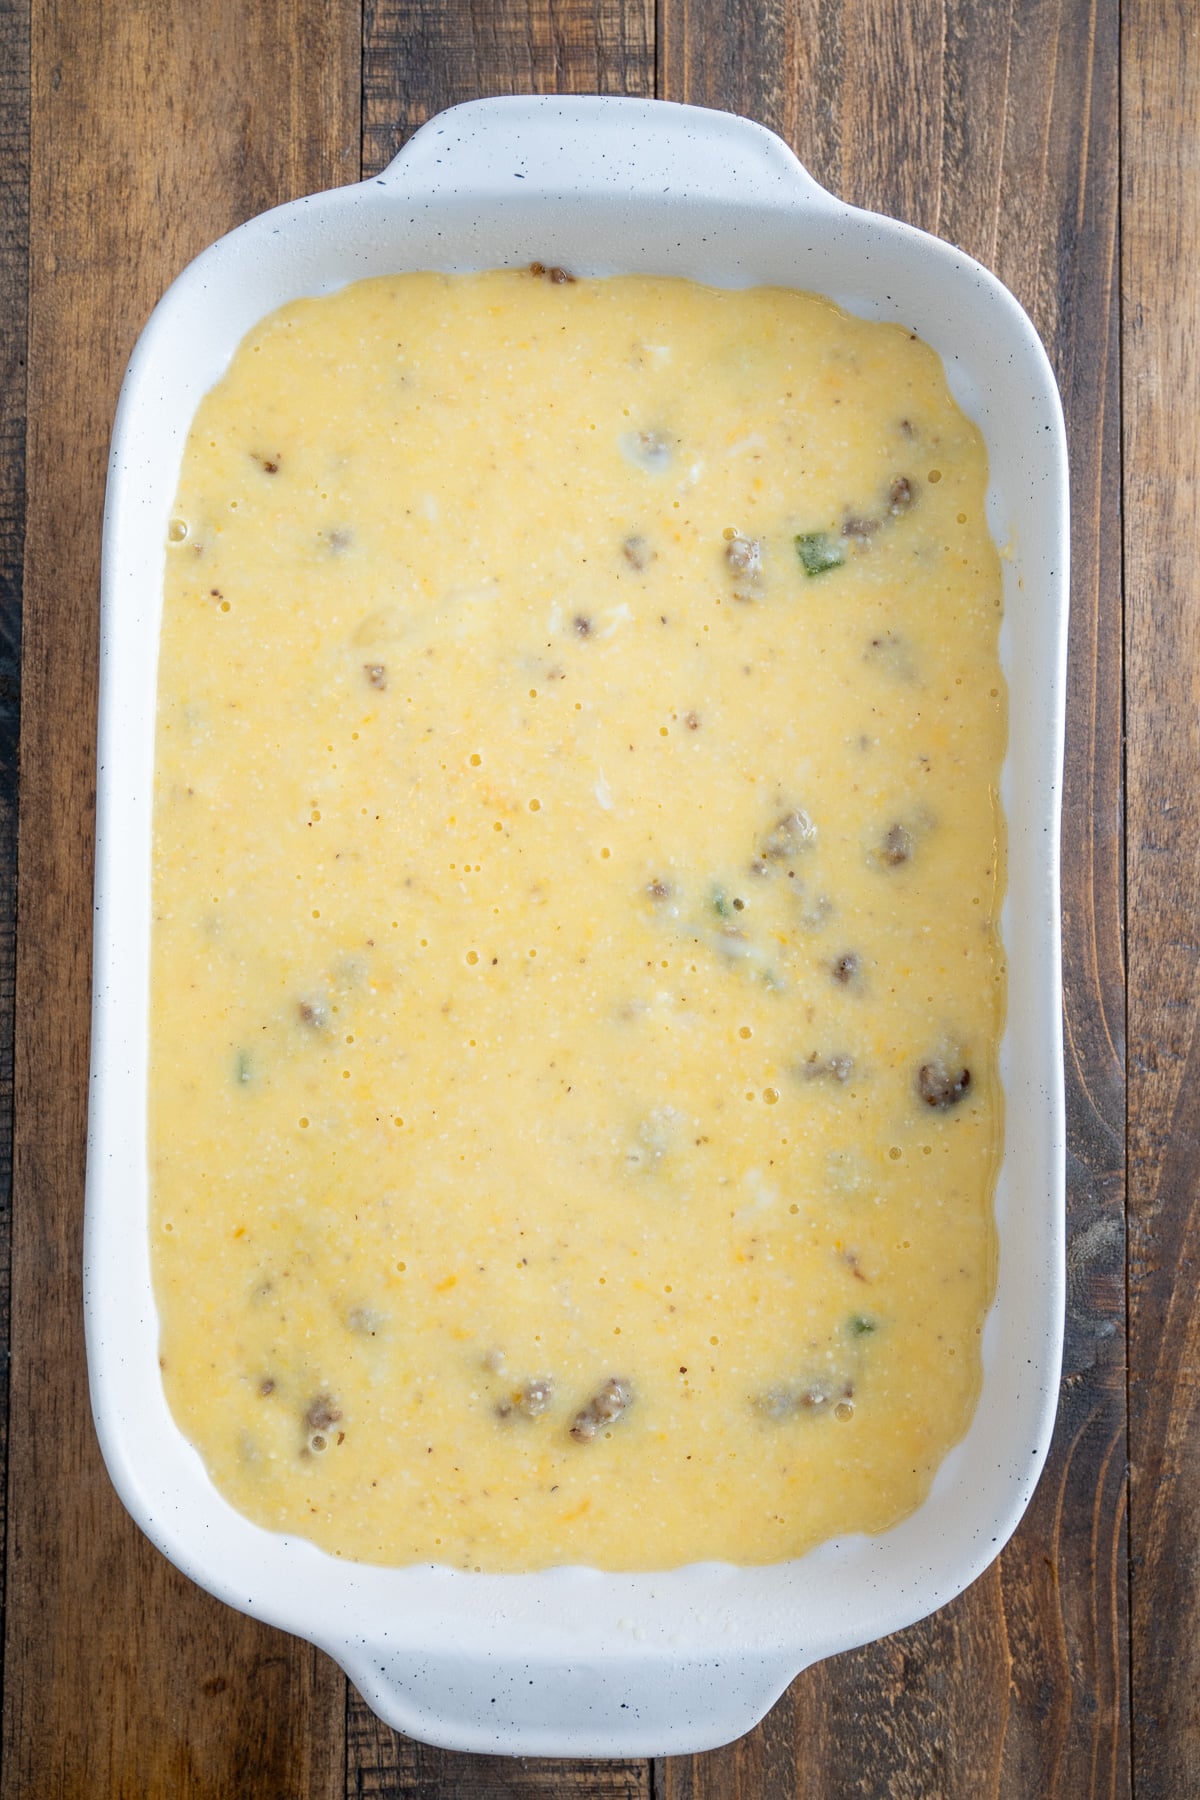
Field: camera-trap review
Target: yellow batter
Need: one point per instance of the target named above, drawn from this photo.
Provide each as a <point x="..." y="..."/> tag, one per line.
<point x="576" y="981"/>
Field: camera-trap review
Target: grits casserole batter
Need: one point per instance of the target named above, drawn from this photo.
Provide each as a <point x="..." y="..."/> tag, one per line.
<point x="576" y="978"/>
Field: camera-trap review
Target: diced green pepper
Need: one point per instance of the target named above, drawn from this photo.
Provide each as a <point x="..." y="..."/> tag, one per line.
<point x="242" y="1069"/>
<point x="720" y="904"/>
<point x="861" y="1326"/>
<point x="820" y="551"/>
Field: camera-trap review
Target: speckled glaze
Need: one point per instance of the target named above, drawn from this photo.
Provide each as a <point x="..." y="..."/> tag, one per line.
<point x="572" y="1662"/>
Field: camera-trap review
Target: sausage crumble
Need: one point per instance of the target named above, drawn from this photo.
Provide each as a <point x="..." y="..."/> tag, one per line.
<point x="607" y="1404"/>
<point x="897" y="846"/>
<point x="789" y="835"/>
<point x="788" y="1401"/>
<point x="940" y="1085"/>
<point x="744" y="556"/>
<point x="530" y="1400"/>
<point x="838" y="1067"/>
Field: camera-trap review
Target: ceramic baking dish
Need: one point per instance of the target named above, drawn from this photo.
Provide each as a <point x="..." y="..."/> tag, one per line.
<point x="572" y="1661"/>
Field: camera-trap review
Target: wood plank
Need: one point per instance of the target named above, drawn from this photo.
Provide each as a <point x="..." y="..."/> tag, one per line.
<point x="419" y="57"/>
<point x="423" y="55"/>
<point x="800" y="69"/>
<point x="383" y="1765"/>
<point x="1066" y="1575"/>
<point x="994" y="125"/>
<point x="14" y="294"/>
<point x="154" y="128"/>
<point x="1161" y="370"/>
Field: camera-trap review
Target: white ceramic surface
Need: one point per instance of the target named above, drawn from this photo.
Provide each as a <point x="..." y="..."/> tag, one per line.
<point x="571" y="1661"/>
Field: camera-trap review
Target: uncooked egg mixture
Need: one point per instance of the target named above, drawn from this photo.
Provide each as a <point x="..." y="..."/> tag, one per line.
<point x="576" y="973"/>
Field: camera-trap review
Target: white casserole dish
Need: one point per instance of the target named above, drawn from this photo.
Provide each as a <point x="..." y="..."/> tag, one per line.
<point x="573" y="1662"/>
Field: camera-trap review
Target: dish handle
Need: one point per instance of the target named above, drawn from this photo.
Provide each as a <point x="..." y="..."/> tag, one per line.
<point x="639" y="1705"/>
<point x="573" y="145"/>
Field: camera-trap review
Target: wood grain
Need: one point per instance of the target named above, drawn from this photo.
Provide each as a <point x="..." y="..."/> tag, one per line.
<point x="383" y="1765"/>
<point x="1161" y="222"/>
<point x="1070" y="1562"/>
<point x="1066" y="1580"/>
<point x="423" y="55"/>
<point x="14" y="294"/>
<point x="148" y="139"/>
<point x="996" y="128"/>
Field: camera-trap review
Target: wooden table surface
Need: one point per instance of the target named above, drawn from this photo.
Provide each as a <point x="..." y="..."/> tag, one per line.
<point x="1057" y="141"/>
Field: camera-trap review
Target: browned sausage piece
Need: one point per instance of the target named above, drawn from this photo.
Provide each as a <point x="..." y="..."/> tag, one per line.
<point x="838" y="1067"/>
<point x="940" y="1085"/>
<point x="791" y="833"/>
<point x="531" y="1399"/>
<point x="322" y="1412"/>
<point x="897" y="846"/>
<point x="790" y="1400"/>
<point x="607" y="1404"/>
<point x="744" y="556"/>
